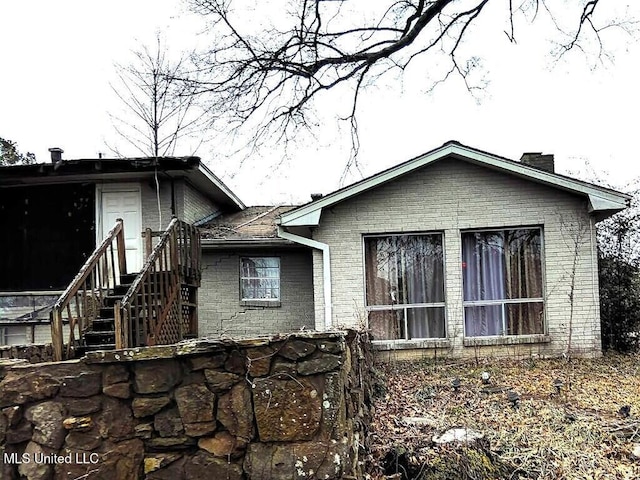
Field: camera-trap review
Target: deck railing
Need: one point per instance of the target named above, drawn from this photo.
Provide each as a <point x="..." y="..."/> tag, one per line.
<point x="151" y="311"/>
<point x="81" y="302"/>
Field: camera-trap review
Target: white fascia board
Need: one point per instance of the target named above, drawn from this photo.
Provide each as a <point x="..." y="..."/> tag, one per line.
<point x="304" y="212"/>
<point x="311" y="218"/>
<point x="545" y="177"/>
<point x="598" y="203"/>
<point x="309" y="215"/>
<point x="223" y="188"/>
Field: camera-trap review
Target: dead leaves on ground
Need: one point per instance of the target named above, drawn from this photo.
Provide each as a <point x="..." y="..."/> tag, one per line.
<point x="578" y="432"/>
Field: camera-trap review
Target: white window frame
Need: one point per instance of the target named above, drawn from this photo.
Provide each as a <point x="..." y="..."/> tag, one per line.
<point x="406" y="306"/>
<point x="242" y="277"/>
<point x="505" y="302"/>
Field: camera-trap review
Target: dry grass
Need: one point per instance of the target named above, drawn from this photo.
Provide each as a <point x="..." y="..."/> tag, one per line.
<point x="575" y="434"/>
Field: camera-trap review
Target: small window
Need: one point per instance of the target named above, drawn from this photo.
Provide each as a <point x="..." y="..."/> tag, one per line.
<point x="503" y="282"/>
<point x="13" y="335"/>
<point x="404" y="277"/>
<point x="260" y="279"/>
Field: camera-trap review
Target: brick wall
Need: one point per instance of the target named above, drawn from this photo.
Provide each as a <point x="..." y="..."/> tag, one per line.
<point x="150" y="213"/>
<point x="195" y="205"/>
<point x="221" y="312"/>
<point x="451" y="196"/>
<point x="190" y="204"/>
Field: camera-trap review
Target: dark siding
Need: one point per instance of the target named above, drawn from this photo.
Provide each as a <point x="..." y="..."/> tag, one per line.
<point x="47" y="233"/>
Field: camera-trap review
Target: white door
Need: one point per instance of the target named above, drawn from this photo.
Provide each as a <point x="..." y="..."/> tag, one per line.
<point x="127" y="206"/>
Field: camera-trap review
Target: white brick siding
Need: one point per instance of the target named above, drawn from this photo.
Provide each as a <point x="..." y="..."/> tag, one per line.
<point x="450" y="196"/>
<point x="150" y="213"/>
<point x="190" y="204"/>
<point x="196" y="206"/>
<point x="220" y="311"/>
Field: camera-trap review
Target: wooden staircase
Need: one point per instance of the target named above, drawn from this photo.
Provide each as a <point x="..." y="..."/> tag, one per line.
<point x="101" y="332"/>
<point x="107" y="308"/>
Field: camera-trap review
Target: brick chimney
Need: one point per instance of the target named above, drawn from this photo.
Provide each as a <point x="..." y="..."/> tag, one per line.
<point x="56" y="154"/>
<point x="538" y="160"/>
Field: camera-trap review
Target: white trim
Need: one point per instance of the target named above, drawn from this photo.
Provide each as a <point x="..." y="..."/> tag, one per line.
<point x="102" y="188"/>
<point x="114" y="187"/>
<point x="311" y="218"/>
<point x="242" y="277"/>
<point x="483" y="303"/>
<point x="326" y="269"/>
<point x="599" y="197"/>
<point x="598" y="203"/>
<point x="402" y="306"/>
<point x="221" y="186"/>
<point x="98" y="215"/>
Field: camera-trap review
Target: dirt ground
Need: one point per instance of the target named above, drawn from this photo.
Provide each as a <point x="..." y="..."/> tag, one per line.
<point x="586" y="426"/>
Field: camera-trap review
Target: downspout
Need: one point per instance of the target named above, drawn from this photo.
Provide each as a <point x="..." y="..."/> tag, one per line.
<point x="326" y="268"/>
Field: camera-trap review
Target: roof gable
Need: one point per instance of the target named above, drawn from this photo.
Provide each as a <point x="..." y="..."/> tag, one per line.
<point x="602" y="201"/>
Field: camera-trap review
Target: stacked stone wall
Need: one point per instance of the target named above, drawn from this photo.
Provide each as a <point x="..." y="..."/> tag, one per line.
<point x="33" y="353"/>
<point x="284" y="407"/>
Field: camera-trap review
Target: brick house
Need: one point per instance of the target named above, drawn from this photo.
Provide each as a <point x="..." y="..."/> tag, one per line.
<point x="457" y="251"/>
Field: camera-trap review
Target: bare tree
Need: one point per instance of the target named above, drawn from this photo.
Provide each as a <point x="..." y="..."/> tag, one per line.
<point x="158" y="110"/>
<point x="271" y="65"/>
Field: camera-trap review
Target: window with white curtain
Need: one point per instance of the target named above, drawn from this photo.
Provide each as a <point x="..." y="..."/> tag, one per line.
<point x="260" y="278"/>
<point x="503" y="282"/>
<point x="405" y="286"/>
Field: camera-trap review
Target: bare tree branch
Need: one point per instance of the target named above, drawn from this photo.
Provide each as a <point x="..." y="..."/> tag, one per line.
<point x="270" y="67"/>
<point x="159" y="109"/>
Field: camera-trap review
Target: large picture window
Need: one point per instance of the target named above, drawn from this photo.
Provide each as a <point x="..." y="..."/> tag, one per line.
<point x="405" y="286"/>
<point x="260" y="278"/>
<point x="502" y="282"/>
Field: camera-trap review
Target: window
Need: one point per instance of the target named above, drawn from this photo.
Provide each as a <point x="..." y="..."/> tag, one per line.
<point x="502" y="282"/>
<point x="260" y="279"/>
<point x="405" y="286"/>
<point x="13" y="335"/>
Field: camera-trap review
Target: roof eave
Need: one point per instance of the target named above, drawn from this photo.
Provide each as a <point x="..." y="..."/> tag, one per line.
<point x="211" y="177"/>
<point x="221" y="243"/>
<point x="603" y="199"/>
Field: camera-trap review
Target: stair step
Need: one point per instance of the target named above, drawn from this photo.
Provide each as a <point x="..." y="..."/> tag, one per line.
<point x="111" y="300"/>
<point x="106" y="312"/>
<point x="99" y="338"/>
<point x="128" y="278"/>
<point x="93" y="348"/>
<point x="103" y="325"/>
<point x="121" y="289"/>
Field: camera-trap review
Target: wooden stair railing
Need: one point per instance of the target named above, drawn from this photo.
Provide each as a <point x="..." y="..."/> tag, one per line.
<point x="80" y="302"/>
<point x="156" y="308"/>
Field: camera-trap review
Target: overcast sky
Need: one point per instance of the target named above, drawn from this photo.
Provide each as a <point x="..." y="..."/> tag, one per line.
<point x="57" y="62"/>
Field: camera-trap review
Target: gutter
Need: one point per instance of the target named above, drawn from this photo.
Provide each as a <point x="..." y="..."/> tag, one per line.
<point x="212" y="243"/>
<point x="326" y="268"/>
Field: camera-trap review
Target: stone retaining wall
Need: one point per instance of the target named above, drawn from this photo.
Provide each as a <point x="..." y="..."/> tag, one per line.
<point x="33" y="353"/>
<point x="287" y="407"/>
